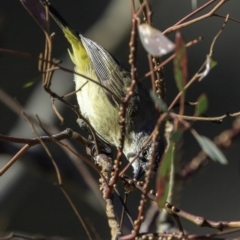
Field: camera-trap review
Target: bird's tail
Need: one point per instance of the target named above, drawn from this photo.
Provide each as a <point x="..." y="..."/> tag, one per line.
<point x="79" y="56"/>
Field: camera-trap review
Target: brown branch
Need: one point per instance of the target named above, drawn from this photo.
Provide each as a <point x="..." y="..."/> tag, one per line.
<point x="221" y="16"/>
<point x="14" y="159"/>
<point x="56" y="169"/>
<point x="56" y="66"/>
<point x="66" y="134"/>
<point x="123" y="209"/>
<point x="174" y="236"/>
<point x="156" y="72"/>
<point x="185" y="24"/>
<point x="69" y="150"/>
<point x="210" y="119"/>
<point x="162" y="64"/>
<point x="61" y="119"/>
<point x="106" y="165"/>
<point x="148" y="175"/>
<point x="76" y="211"/>
<point x="83" y="170"/>
<point x="199" y="74"/>
<point x="201" y="221"/>
<point x="78" y="137"/>
<point x="195" y="12"/>
<point x="133" y="184"/>
<point x="58" y="174"/>
<point x="123" y="108"/>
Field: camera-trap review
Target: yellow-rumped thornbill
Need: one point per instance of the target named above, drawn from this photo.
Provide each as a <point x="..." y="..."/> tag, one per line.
<point x="101" y="108"/>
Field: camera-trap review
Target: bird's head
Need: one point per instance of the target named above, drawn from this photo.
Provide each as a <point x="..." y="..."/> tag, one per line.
<point x="144" y="151"/>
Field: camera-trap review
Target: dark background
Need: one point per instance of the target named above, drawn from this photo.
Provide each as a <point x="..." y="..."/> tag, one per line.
<point x="29" y="201"/>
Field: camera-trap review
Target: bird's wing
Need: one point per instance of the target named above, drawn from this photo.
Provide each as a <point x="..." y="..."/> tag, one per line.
<point x="109" y="71"/>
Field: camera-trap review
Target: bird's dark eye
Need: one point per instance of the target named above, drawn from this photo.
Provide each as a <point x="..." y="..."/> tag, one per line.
<point x="145" y="153"/>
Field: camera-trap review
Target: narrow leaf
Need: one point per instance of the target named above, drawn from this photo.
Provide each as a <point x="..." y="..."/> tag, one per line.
<point x="210" y="148"/>
<point x="202" y="105"/>
<point x="164" y="176"/>
<point x="162" y="106"/>
<point x="176" y="136"/>
<point x="180" y="62"/>
<point x="154" y="42"/>
<point x="213" y="63"/>
<point x="28" y="84"/>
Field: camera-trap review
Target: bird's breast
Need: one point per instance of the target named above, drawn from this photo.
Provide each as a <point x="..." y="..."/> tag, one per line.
<point x="95" y="106"/>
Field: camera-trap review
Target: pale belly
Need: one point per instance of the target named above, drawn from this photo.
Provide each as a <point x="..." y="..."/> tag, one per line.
<point x="95" y="106"/>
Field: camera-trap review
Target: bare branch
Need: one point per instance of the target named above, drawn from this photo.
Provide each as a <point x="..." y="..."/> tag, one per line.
<point x="201" y="221"/>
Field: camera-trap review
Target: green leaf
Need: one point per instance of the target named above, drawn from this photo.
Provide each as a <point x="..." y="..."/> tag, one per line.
<point x="201" y="105"/>
<point x="28" y="84"/>
<point x="176" y="136"/>
<point x="210" y="148"/>
<point x="180" y="62"/>
<point x="162" y="106"/>
<point x="213" y="63"/>
<point x="164" y="176"/>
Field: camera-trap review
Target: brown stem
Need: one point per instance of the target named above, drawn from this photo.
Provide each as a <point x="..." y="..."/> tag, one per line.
<point x="209" y="14"/>
<point x="14" y="158"/>
<point x="201" y="221"/>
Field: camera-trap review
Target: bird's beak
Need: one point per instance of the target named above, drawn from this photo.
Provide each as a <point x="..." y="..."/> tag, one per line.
<point x="139" y="172"/>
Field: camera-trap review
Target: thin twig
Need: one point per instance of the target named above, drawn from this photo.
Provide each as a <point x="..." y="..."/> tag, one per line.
<point x="123" y="209"/>
<point x="14" y="159"/>
<point x="201" y="221"/>
<point x="73" y="155"/>
<point x="185" y="24"/>
<point x="76" y="211"/>
<point x="66" y="134"/>
<point x="198" y="74"/>
<point x="162" y="64"/>
<point x="57" y="66"/>
<point x="58" y="174"/>
<point x="210" y="119"/>
<point x="230" y="18"/>
<point x="123" y="108"/>
<point x="195" y="12"/>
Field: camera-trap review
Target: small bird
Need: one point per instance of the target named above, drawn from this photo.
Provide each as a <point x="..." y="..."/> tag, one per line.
<point x="101" y="107"/>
